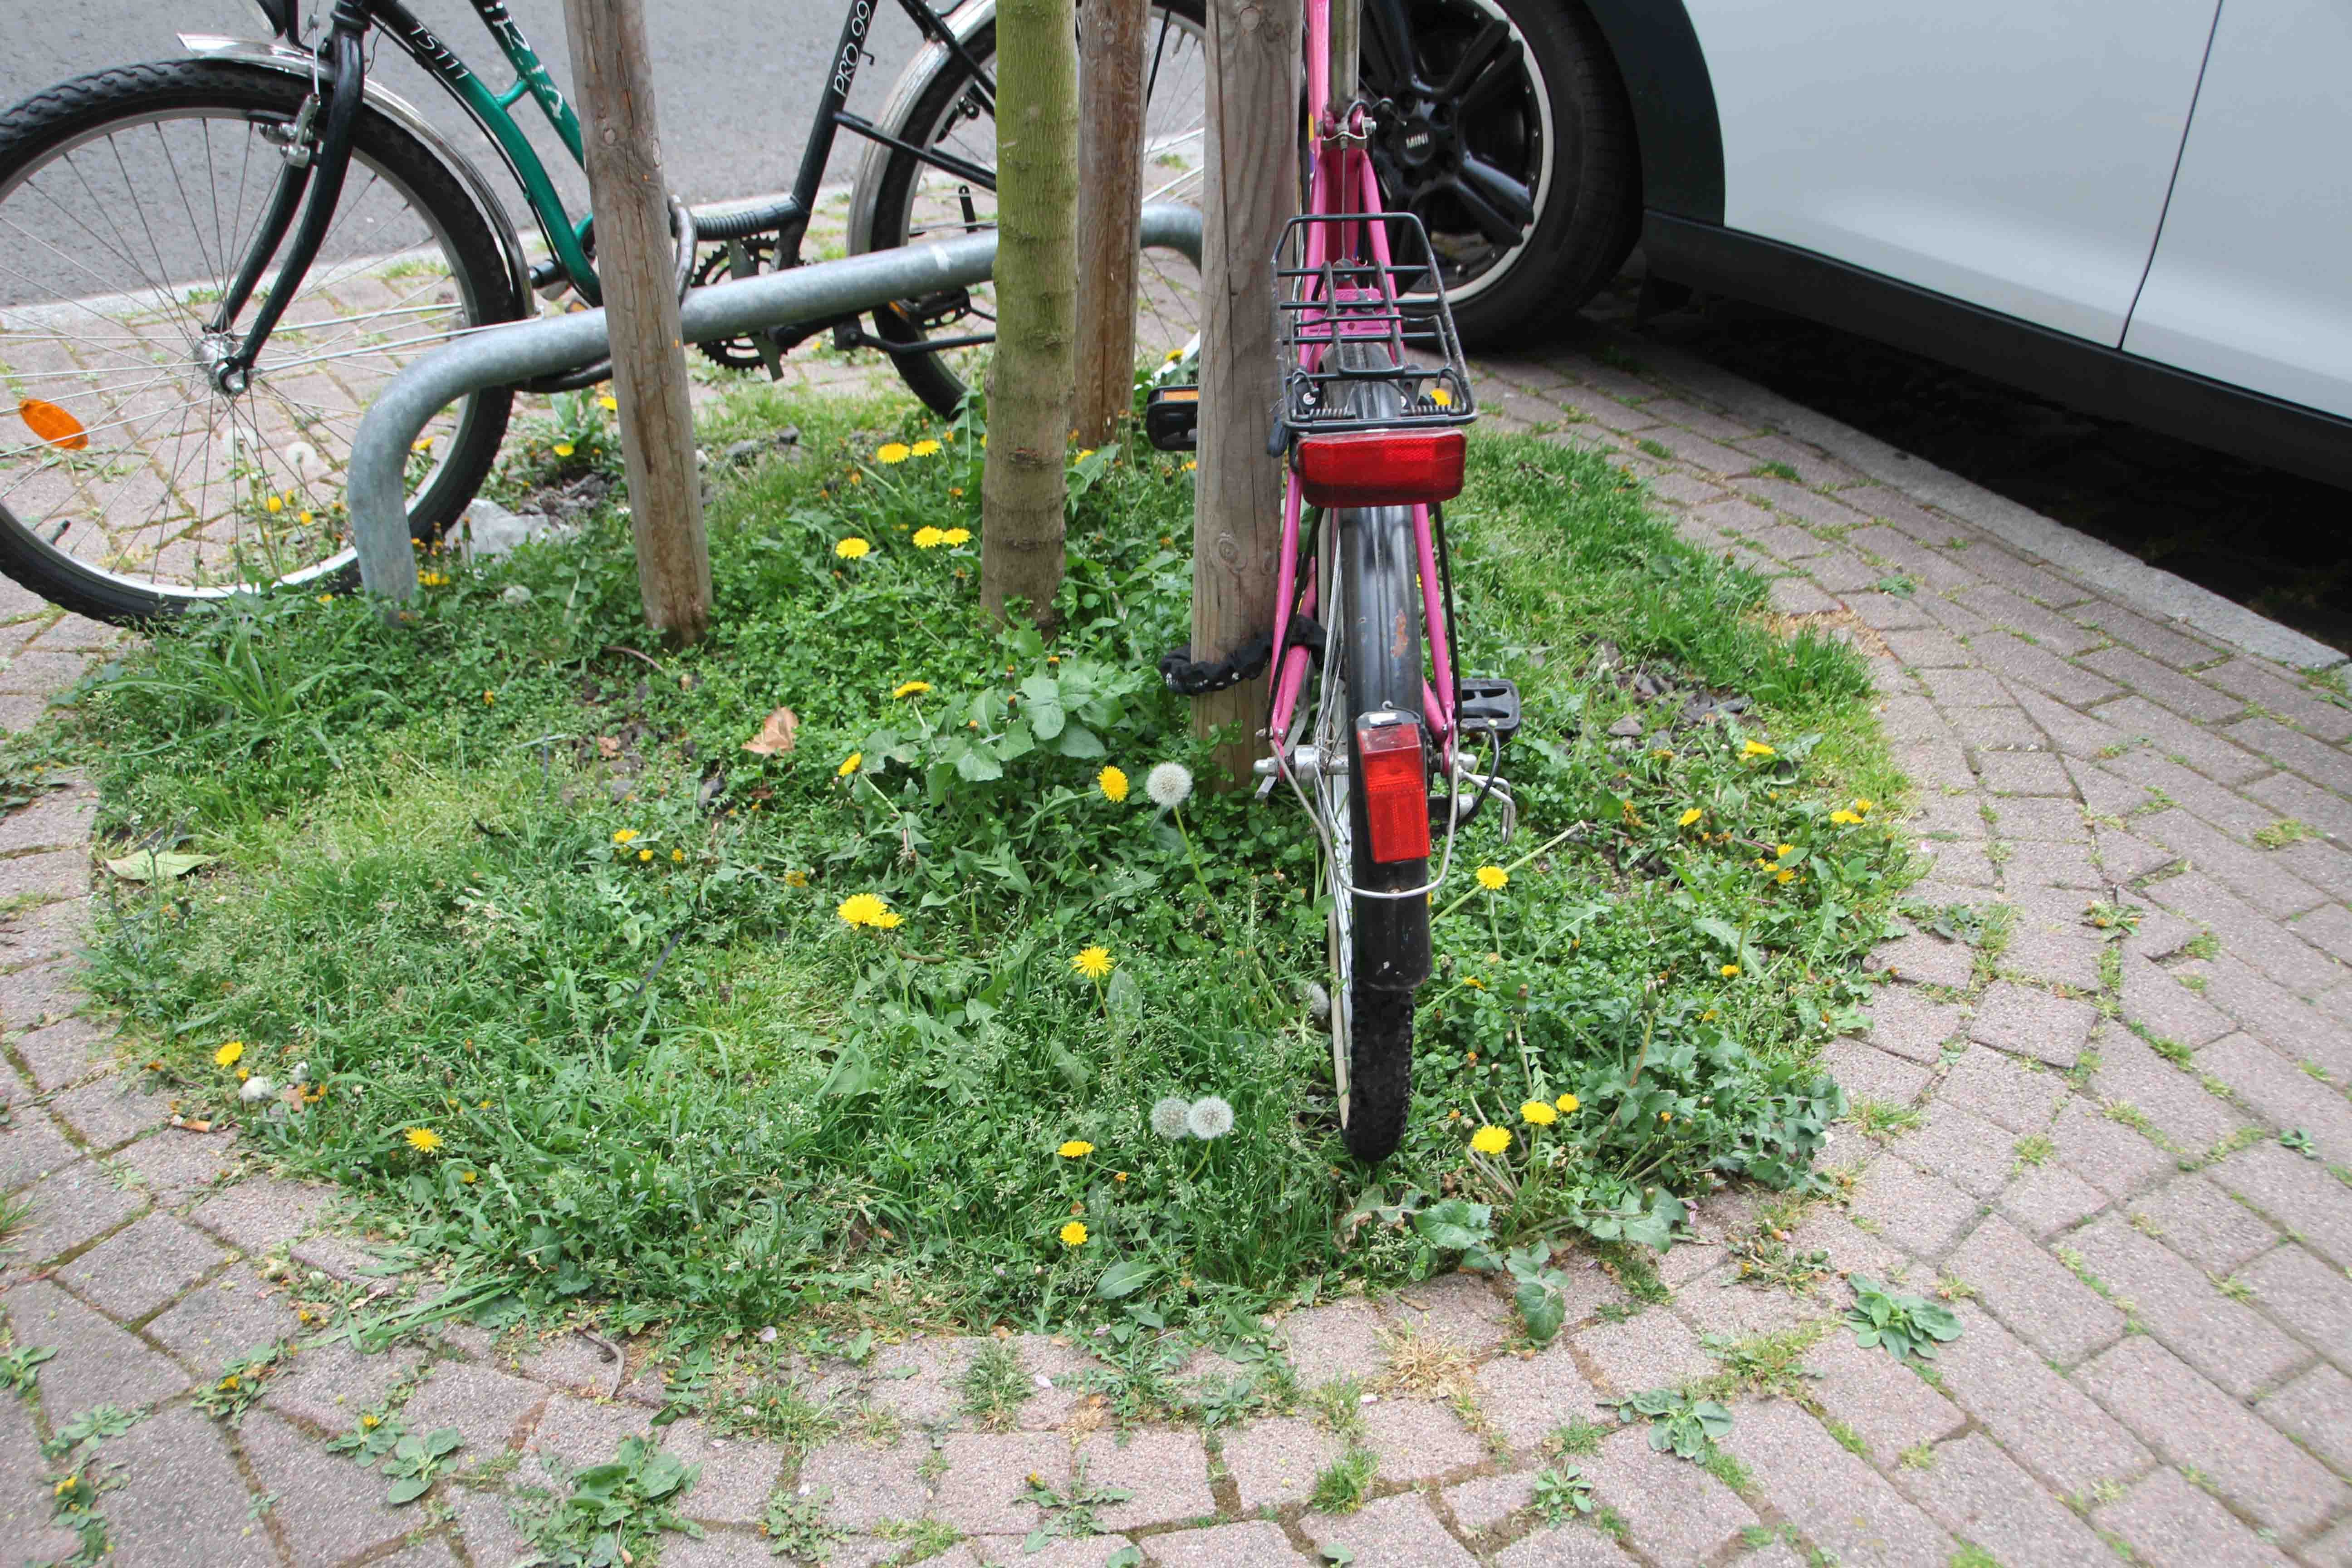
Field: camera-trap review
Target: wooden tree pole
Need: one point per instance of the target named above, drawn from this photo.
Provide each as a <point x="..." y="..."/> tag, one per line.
<point x="1110" y="204"/>
<point x="1253" y="190"/>
<point x="1022" y="491"/>
<point x="613" y="72"/>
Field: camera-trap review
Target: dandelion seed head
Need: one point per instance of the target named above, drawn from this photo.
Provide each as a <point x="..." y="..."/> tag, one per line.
<point x="1169" y="786"/>
<point x="1209" y="1117"/>
<point x="1172" y="1117"/>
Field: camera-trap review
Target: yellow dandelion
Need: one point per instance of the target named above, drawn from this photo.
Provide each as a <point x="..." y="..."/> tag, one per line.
<point x="422" y="444"/>
<point x="489" y="696"/>
<point x="911" y="689"/>
<point x="849" y="764"/>
<point x="925" y="448"/>
<point x="1494" y="879"/>
<point x="1491" y="1140"/>
<point x="678" y="856"/>
<point x="1665" y="1116"/>
<point x="276" y="504"/>
<point x="1784" y="850"/>
<point x="1756" y="749"/>
<point x="1730" y="971"/>
<point x="1112" y="781"/>
<point x="866" y="909"/>
<point x="1845" y="818"/>
<point x="226" y="1056"/>
<point x="1075" y="1148"/>
<point x="1568" y="1103"/>
<point x="644" y="854"/>
<point x="852" y="548"/>
<point x="1094" y="963"/>
<point x="305" y="516"/>
<point x="892" y="452"/>
<point x="563" y="448"/>
<point x="624" y="835"/>
<point x="1539" y="1112"/>
<point x="959" y="535"/>
<point x="930" y="538"/>
<point x="1442" y="398"/>
<point x="1784" y="876"/>
<point x="1864" y="803"/>
<point x="1687" y="817"/>
<point x="1073" y="1233"/>
<point x="796" y="879"/>
<point x="466" y="1176"/>
<point x="609" y="404"/>
<point x="424" y="1139"/>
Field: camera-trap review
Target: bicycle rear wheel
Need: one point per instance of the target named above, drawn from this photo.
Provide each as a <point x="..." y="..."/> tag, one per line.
<point x="907" y="201"/>
<point x="131" y="485"/>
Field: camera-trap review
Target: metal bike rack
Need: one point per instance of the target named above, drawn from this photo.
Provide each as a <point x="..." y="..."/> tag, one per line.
<point x="498" y="356"/>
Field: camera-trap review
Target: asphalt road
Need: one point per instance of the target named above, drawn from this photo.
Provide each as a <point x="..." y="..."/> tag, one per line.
<point x="736" y="80"/>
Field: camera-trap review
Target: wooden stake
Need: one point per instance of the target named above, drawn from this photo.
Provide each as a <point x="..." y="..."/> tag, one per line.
<point x="1110" y="200"/>
<point x="1253" y="190"/>
<point x="613" y="68"/>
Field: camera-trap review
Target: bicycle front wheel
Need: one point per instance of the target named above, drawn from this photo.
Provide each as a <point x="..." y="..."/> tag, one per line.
<point x="909" y="200"/>
<point x="130" y="484"/>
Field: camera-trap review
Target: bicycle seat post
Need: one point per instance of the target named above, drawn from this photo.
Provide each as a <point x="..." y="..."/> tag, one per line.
<point x="1347" y="35"/>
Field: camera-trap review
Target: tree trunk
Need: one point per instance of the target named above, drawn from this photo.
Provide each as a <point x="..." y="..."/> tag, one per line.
<point x="1253" y="190"/>
<point x="612" y="70"/>
<point x="1110" y="204"/>
<point x="1030" y="380"/>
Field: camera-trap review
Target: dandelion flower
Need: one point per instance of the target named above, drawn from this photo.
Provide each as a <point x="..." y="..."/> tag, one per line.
<point x="644" y="854"/>
<point x="1756" y="749"/>
<point x="1209" y="1117"/>
<point x="424" y="1139"/>
<point x="929" y="538"/>
<point x="1665" y="1116"/>
<point x="924" y="449"/>
<point x="303" y="458"/>
<point x="1784" y="850"/>
<point x="1094" y="963"/>
<point x="1864" y="803"/>
<point x="609" y="404"/>
<point x="911" y="689"/>
<point x="1112" y="781"/>
<point x="466" y="1176"/>
<point x="852" y="548"/>
<point x="624" y="835"/>
<point x="866" y="910"/>
<point x="1494" y="879"/>
<point x="1169" y="1116"/>
<point x="892" y="452"/>
<point x="1442" y="398"/>
<point x="1731" y="971"/>
<point x="226" y="1056"/>
<point x="1539" y="1112"/>
<point x="1568" y="1104"/>
<point x="1075" y="1148"/>
<point x="678" y="856"/>
<point x="1845" y="818"/>
<point x="563" y="448"/>
<point x="849" y="764"/>
<point x="796" y="879"/>
<point x="1073" y="1233"/>
<point x="1784" y="876"/>
<point x="1687" y="817"/>
<point x="959" y="535"/>
<point x="1169" y="786"/>
<point x="1491" y="1140"/>
<point x="275" y="504"/>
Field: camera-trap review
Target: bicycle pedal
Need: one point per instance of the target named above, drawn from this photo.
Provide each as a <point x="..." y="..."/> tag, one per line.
<point x="1490" y="706"/>
<point x="1171" y="418"/>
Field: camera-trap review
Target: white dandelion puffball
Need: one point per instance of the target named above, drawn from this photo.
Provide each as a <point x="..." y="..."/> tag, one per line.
<point x="1209" y="1117"/>
<point x="1169" y="786"/>
<point x="257" y="1089"/>
<point x="1172" y="1117"/>
<point x="303" y="458"/>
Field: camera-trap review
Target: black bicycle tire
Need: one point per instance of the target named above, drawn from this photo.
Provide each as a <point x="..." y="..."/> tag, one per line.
<point x="941" y="388"/>
<point x="74" y="108"/>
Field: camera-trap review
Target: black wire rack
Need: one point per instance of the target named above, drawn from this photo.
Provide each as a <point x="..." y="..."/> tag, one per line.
<point x="1398" y="309"/>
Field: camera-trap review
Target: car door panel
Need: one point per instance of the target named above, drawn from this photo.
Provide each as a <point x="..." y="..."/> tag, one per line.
<point x="2251" y="282"/>
<point x="2013" y="153"/>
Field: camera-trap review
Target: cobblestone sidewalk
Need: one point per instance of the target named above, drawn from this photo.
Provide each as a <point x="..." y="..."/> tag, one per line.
<point x="2124" y="1150"/>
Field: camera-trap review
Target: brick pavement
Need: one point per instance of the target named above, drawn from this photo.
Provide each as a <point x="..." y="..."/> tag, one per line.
<point x="2155" y="1288"/>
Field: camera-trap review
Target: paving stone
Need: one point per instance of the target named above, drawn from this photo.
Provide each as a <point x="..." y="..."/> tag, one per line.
<point x="2222" y="756"/>
<point x="1928" y="959"/>
<point x="1964" y="1149"/>
<point x="2315" y="1409"/>
<point x="1718" y="1303"/>
<point x="96" y="1363"/>
<point x="2037" y="817"/>
<point x="986" y="1487"/>
<point x="1979" y="1494"/>
<point x="1419" y="1439"/>
<point x="430" y="1552"/>
<point x="1478" y="1506"/>
<point x="2158" y="934"/>
<point x="1250" y="1545"/>
<point x="2304" y="707"/>
<point x="2333" y="1550"/>
<point x="920" y="1380"/>
<point x="2322" y="763"/>
<point x="2169" y="642"/>
<point x="1401" y="1529"/>
<point x="1922" y="1213"/>
<point x="262" y="1214"/>
<point x="53" y="932"/>
<point x="2248" y="926"/>
<point x="2281" y="1093"/>
<point x="2168" y="1009"/>
<point x="570" y="1362"/>
<point x="863" y="1484"/>
<point x="2183" y="694"/>
<point x="2327" y="928"/>
<point x="2297" y="1194"/>
<point x="2306" y="1295"/>
<point x="1675" y="1511"/>
<point x="64" y="1052"/>
<point x="1459" y="1310"/>
<point x="111" y="1110"/>
<point x="332" y="1256"/>
<point x="1910" y="1022"/>
<point x="1571" y="1545"/>
<point x="1962" y="863"/>
<point x="574" y="1434"/>
<point x="2193" y="1424"/>
<point x="2168" y="1523"/>
<point x="1651" y="1350"/>
<point x="2178" y="1103"/>
<point x="2072" y="735"/>
<point x="2048" y="1199"/>
<point x="176" y="1165"/>
<point x="141" y="1268"/>
<point x="2270" y="1013"/>
<point x="215" y="1323"/>
<point x="57" y="820"/>
<point x="1339" y="1339"/>
<point x="2045" y="1422"/>
<point x="332" y="1386"/>
<point x="1166" y="1471"/>
<point x="492" y="1410"/>
<point x="1867" y="1073"/>
<point x="2225" y="1339"/>
<point x="2028" y="1023"/>
<point x="1274" y="1463"/>
<point x="1837" y="1501"/>
<point x="2054" y="958"/>
<point x="62" y="875"/>
<point x="2001" y="1090"/>
<point x="491" y="1538"/>
<point x="2034" y="1294"/>
<point x="2126" y="856"/>
<point x="1950" y="815"/>
<point x="1967" y="687"/>
<point x="1851" y="1251"/>
<point x="720" y="1549"/>
<point x="1890" y="1408"/>
<point x="2289" y="797"/>
<point x="77" y="1205"/>
<point x="2203" y="1224"/>
<point x="2037" y="864"/>
<point x="181" y="1501"/>
<point x="2106" y="1154"/>
<point x="2166" y="787"/>
<point x="1013" y="1552"/>
<point x="328" y="1508"/>
<point x="1525" y="1399"/>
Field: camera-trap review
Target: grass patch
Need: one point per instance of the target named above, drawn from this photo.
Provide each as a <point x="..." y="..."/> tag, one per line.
<point x="1342" y="1486"/>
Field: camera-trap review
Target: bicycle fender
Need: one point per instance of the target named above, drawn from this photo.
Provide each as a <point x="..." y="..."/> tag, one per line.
<point x="866" y="188"/>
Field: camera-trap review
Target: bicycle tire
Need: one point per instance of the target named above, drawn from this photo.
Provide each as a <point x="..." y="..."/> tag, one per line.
<point x="893" y="218"/>
<point x="49" y="127"/>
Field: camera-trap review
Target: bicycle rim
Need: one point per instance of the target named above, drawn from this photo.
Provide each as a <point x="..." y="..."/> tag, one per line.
<point x="1338" y="824"/>
<point x="122" y="459"/>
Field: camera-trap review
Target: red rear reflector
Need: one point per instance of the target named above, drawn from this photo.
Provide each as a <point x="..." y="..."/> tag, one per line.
<point x="1396" y="791"/>
<point x="1381" y="468"/>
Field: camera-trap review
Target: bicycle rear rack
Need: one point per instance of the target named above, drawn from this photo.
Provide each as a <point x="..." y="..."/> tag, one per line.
<point x="1399" y="306"/>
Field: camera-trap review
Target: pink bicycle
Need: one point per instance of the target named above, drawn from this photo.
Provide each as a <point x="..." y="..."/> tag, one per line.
<point x="1375" y="397"/>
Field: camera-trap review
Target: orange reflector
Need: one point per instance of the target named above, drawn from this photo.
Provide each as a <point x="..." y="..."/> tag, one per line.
<point x="1381" y="468"/>
<point x="53" y="424"/>
<point x="1178" y="394"/>
<point x="1396" y="790"/>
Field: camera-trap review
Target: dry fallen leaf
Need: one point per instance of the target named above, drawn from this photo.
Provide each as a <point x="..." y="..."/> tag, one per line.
<point x="775" y="736"/>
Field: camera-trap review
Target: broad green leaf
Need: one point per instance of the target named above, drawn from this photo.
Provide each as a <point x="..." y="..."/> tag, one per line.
<point x="1078" y="740"/>
<point x="446" y="1440"/>
<point x="1124" y="1278"/>
<point x="153" y="866"/>
<point x="1543" y="1309"/>
<point x="976" y="766"/>
<point x="408" y="1489"/>
<point x="1454" y="1225"/>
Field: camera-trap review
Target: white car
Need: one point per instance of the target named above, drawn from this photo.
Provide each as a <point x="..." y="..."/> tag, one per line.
<point x="2142" y="208"/>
